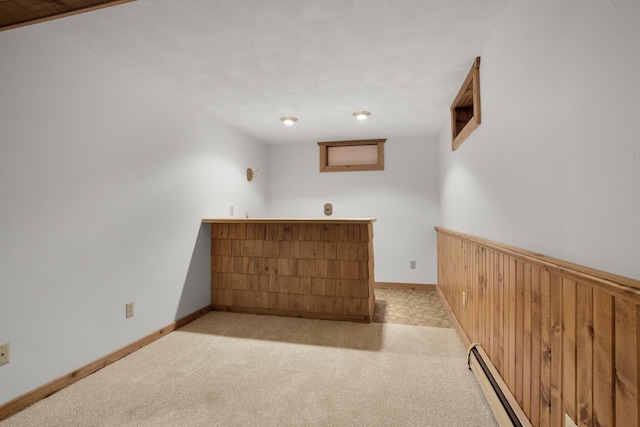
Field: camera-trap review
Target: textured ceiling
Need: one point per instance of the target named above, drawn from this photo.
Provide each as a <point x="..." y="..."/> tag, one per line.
<point x="251" y="62"/>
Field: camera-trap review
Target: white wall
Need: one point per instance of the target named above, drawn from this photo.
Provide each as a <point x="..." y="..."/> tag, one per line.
<point x="104" y="179"/>
<point x="105" y="175"/>
<point x="555" y="165"/>
<point x="403" y="198"/>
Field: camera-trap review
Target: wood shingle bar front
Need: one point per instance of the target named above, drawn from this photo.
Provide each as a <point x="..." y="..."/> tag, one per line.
<point x="313" y="268"/>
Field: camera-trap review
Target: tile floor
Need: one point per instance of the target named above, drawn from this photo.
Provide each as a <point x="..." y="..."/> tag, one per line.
<point x="410" y="307"/>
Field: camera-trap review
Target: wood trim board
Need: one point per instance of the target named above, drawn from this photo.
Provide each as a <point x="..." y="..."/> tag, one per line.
<point x="409" y="286"/>
<point x="32" y="12"/>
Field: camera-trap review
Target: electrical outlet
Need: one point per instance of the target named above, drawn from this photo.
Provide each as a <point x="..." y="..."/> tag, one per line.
<point x="568" y="422"/>
<point x="4" y="353"/>
<point x="464" y="299"/>
<point x="413" y="265"/>
<point x="231" y="210"/>
<point x="129" y="310"/>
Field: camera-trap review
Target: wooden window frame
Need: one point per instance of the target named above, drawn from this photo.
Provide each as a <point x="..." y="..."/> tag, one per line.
<point x="324" y="155"/>
<point x="465" y="108"/>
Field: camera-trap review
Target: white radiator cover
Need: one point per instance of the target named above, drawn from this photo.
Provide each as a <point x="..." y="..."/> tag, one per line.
<point x="504" y="406"/>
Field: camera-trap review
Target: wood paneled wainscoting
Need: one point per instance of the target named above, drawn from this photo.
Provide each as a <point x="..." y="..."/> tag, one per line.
<point x="564" y="338"/>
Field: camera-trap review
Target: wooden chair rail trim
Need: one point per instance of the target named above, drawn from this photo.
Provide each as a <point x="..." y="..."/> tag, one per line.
<point x="626" y="287"/>
<point x="46" y="390"/>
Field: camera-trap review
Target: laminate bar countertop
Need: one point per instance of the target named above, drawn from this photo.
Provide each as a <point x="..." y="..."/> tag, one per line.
<point x="289" y="220"/>
<point x="313" y="268"/>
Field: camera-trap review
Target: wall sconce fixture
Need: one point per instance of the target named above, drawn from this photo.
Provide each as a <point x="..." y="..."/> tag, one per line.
<point x="252" y="174"/>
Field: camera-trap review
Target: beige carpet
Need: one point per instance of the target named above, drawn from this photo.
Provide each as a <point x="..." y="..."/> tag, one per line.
<point x="244" y="370"/>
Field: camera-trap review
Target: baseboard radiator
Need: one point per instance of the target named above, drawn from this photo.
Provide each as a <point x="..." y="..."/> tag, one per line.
<point x="504" y="406"/>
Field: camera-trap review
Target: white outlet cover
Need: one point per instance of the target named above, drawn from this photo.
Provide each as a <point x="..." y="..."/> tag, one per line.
<point x="129" y="310"/>
<point x="5" y="353"/>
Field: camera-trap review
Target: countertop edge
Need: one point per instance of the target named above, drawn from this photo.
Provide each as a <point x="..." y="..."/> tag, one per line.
<point x="289" y="220"/>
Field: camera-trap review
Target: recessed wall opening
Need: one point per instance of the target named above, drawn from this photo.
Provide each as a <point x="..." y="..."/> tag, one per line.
<point x="359" y="155"/>
<point x="465" y="109"/>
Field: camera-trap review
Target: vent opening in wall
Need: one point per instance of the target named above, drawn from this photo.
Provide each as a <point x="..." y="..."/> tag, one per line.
<point x="465" y="109"/>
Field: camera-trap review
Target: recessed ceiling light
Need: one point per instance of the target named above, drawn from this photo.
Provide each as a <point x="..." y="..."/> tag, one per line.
<point x="362" y="115"/>
<point x="289" y="121"/>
